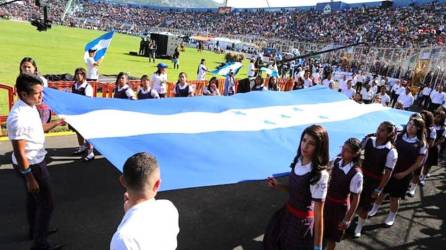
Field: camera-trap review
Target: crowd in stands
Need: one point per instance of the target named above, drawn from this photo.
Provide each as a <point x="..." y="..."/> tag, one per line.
<point x="401" y="27"/>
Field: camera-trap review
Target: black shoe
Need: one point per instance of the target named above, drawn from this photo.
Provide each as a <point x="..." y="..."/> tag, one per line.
<point x="56" y="247"/>
<point x="50" y="231"/>
<point x="52" y="247"/>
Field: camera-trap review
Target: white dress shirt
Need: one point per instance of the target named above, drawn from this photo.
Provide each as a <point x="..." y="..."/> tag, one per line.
<point x="152" y="224"/>
<point x="24" y="123"/>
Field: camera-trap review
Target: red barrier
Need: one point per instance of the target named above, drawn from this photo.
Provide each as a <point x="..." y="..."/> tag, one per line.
<point x="10" y="90"/>
<point x="108" y="88"/>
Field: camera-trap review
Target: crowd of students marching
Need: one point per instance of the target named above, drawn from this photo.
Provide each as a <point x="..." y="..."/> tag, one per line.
<point x="324" y="195"/>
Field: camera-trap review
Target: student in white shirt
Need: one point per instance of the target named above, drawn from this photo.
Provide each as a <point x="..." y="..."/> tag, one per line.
<point x="328" y="82"/>
<point x="201" y="71"/>
<point x="349" y="91"/>
<point x="382" y="97"/>
<point x="159" y="80"/>
<point x="437" y="98"/>
<point x="425" y="96"/>
<point x="367" y="94"/>
<point x="343" y="83"/>
<point x="82" y="87"/>
<point x="92" y="66"/>
<point x="394" y="91"/>
<point x="148" y="223"/>
<point x="307" y="186"/>
<point x="26" y="132"/>
<point x="122" y="89"/>
<point x="251" y="69"/>
<point x="405" y="100"/>
<point x="307" y="81"/>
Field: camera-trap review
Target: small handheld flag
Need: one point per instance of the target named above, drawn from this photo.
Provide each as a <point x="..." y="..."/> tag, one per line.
<point x="270" y="72"/>
<point x="100" y="45"/>
<point x="224" y="70"/>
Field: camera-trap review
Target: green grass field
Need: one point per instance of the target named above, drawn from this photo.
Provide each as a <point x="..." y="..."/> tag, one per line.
<point x="60" y="50"/>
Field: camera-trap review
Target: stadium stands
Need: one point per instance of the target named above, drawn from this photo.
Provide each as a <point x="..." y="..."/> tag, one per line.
<point x="418" y="26"/>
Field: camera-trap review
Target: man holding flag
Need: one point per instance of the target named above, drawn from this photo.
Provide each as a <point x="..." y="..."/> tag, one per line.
<point x="94" y="54"/>
<point x="92" y="66"/>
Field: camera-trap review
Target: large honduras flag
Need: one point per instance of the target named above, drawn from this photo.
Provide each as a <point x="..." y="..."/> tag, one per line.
<point x="224" y="70"/>
<point x="99" y="44"/>
<point x="206" y="140"/>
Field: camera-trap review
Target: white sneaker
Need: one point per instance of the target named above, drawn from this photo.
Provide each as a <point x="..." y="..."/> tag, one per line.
<point x="373" y="211"/>
<point x="422" y="180"/>
<point x="411" y="191"/>
<point x="80" y="150"/>
<point x="357" y="232"/>
<point x="390" y="219"/>
<point x="89" y="157"/>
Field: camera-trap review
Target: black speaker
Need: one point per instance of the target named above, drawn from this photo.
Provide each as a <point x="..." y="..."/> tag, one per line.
<point x="161" y="43"/>
<point x="386" y="4"/>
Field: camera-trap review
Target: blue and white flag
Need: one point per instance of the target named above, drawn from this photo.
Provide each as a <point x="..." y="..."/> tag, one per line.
<point x="99" y="44"/>
<point x="224" y="70"/>
<point x="270" y="72"/>
<point x="213" y="140"/>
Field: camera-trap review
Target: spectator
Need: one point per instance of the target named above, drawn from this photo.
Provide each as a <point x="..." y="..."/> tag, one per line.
<point x="349" y="91"/>
<point x="152" y="50"/>
<point x="148" y="223"/>
<point x="258" y="84"/>
<point x="159" y="80"/>
<point x="229" y="84"/>
<point x="146" y="91"/>
<point x="82" y="87"/>
<point x="28" y="65"/>
<point x="182" y="89"/>
<point x="212" y="88"/>
<point x="405" y="100"/>
<point x="382" y="97"/>
<point x="176" y="59"/>
<point x="367" y="94"/>
<point x="122" y="89"/>
<point x="437" y="98"/>
<point x="201" y="71"/>
<point x="272" y="84"/>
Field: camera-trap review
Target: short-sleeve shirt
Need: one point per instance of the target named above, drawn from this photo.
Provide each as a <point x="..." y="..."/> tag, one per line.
<point x="88" y="88"/>
<point x="92" y="70"/>
<point x="320" y="188"/>
<point x="201" y="72"/>
<point x="159" y="83"/>
<point x="357" y="180"/>
<point x="24" y="123"/>
<point x="152" y="224"/>
<point x="392" y="155"/>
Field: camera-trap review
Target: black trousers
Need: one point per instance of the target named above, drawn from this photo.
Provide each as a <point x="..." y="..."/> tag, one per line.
<point x="39" y="206"/>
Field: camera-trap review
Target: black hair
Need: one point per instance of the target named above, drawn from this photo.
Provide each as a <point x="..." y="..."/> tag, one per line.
<point x="428" y="118"/>
<point x="119" y="76"/>
<point x="25" y="83"/>
<point x="81" y="70"/>
<point x="421" y="129"/>
<point x="28" y="59"/>
<point x="321" y="154"/>
<point x="355" y="146"/>
<point x="138" y="169"/>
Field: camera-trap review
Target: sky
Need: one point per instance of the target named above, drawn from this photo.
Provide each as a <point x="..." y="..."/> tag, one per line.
<point x="281" y="3"/>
